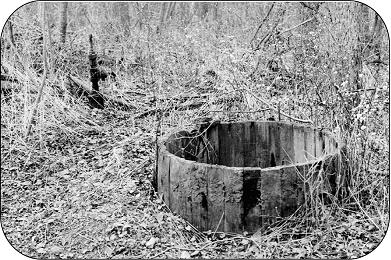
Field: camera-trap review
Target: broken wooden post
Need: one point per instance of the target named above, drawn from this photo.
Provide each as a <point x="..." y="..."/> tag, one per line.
<point x="95" y="98"/>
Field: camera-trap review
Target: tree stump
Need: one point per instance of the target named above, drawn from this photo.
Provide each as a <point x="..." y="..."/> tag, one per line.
<point x="242" y="176"/>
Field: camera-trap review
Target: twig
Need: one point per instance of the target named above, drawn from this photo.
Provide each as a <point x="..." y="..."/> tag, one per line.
<point x="263" y="21"/>
<point x="365" y="213"/>
<point x="308" y="6"/>
<point x="280" y="112"/>
<point x="300" y="24"/>
<point x="218" y="225"/>
<point x="243" y="112"/>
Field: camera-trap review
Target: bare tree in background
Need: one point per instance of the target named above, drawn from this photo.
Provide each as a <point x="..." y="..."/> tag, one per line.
<point x="121" y="9"/>
<point x="45" y="72"/>
<point x="11" y="33"/>
<point x="166" y="13"/>
<point x="170" y="11"/>
<point x="202" y="9"/>
<point x="63" y="21"/>
<point x="377" y="35"/>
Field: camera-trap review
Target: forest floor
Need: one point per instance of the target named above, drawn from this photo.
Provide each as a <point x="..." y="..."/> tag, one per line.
<point x="89" y="195"/>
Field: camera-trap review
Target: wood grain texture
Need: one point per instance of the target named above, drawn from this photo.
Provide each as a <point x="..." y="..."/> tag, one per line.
<point x="239" y="177"/>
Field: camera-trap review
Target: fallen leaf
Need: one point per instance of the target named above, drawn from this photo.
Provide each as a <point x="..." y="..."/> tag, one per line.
<point x="160" y="217"/>
<point x="56" y="249"/>
<point x="245" y="242"/>
<point x="185" y="255"/>
<point x="108" y="251"/>
<point x="42" y="244"/>
<point x="41" y="250"/>
<point x="151" y="242"/>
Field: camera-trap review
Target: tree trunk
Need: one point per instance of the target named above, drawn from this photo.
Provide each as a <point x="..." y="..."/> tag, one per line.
<point x="377" y="39"/>
<point x="163" y="14"/>
<point x="170" y="11"/>
<point x="125" y="18"/>
<point x="11" y="33"/>
<point x="63" y="20"/>
<point x="43" y="83"/>
<point x="203" y="9"/>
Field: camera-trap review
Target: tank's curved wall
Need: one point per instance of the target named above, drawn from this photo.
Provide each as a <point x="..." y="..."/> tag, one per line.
<point x="252" y="144"/>
<point x="243" y="176"/>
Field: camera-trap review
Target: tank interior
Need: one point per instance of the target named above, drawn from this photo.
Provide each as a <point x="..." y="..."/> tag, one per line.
<point x="251" y="144"/>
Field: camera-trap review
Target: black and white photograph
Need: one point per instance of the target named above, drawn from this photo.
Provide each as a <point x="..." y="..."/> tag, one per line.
<point x="194" y="130"/>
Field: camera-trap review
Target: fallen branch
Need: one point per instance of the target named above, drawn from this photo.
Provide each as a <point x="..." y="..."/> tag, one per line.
<point x="180" y="107"/>
<point x="80" y="88"/>
<point x="197" y="103"/>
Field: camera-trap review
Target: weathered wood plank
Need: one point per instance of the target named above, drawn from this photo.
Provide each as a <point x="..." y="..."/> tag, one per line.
<point x="289" y="184"/>
<point x="225" y="145"/>
<point x="216" y="196"/>
<point x="262" y="156"/>
<point x="299" y="144"/>
<point x="301" y="171"/>
<point x="252" y="207"/>
<point x="274" y="144"/>
<point x="249" y="144"/>
<point x="179" y="187"/>
<point x="236" y="142"/>
<point x="164" y="177"/>
<point x="320" y="144"/>
<point x="287" y="153"/>
<point x="198" y="198"/>
<point x="270" y="195"/>
<point x="213" y="148"/>
<point x="233" y="210"/>
<point x="309" y="145"/>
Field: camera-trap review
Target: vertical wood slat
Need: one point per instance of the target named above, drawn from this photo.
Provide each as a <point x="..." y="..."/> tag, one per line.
<point x="198" y="189"/>
<point x="274" y="144"/>
<point x="249" y="144"/>
<point x="164" y="177"/>
<point x="262" y="156"/>
<point x="252" y="208"/>
<point x="287" y="151"/>
<point x="216" y="197"/>
<point x="299" y="144"/>
<point x="179" y="184"/>
<point x="270" y="196"/>
<point x="236" y="142"/>
<point x="309" y="149"/>
<point x="213" y="139"/>
<point x="320" y="144"/>
<point x="300" y="186"/>
<point x="224" y="145"/>
<point x="233" y="210"/>
<point x="289" y="182"/>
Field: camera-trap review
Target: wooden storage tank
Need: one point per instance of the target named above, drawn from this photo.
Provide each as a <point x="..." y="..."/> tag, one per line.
<point x="241" y="176"/>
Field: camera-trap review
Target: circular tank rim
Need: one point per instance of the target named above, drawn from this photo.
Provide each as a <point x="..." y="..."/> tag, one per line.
<point x="163" y="151"/>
